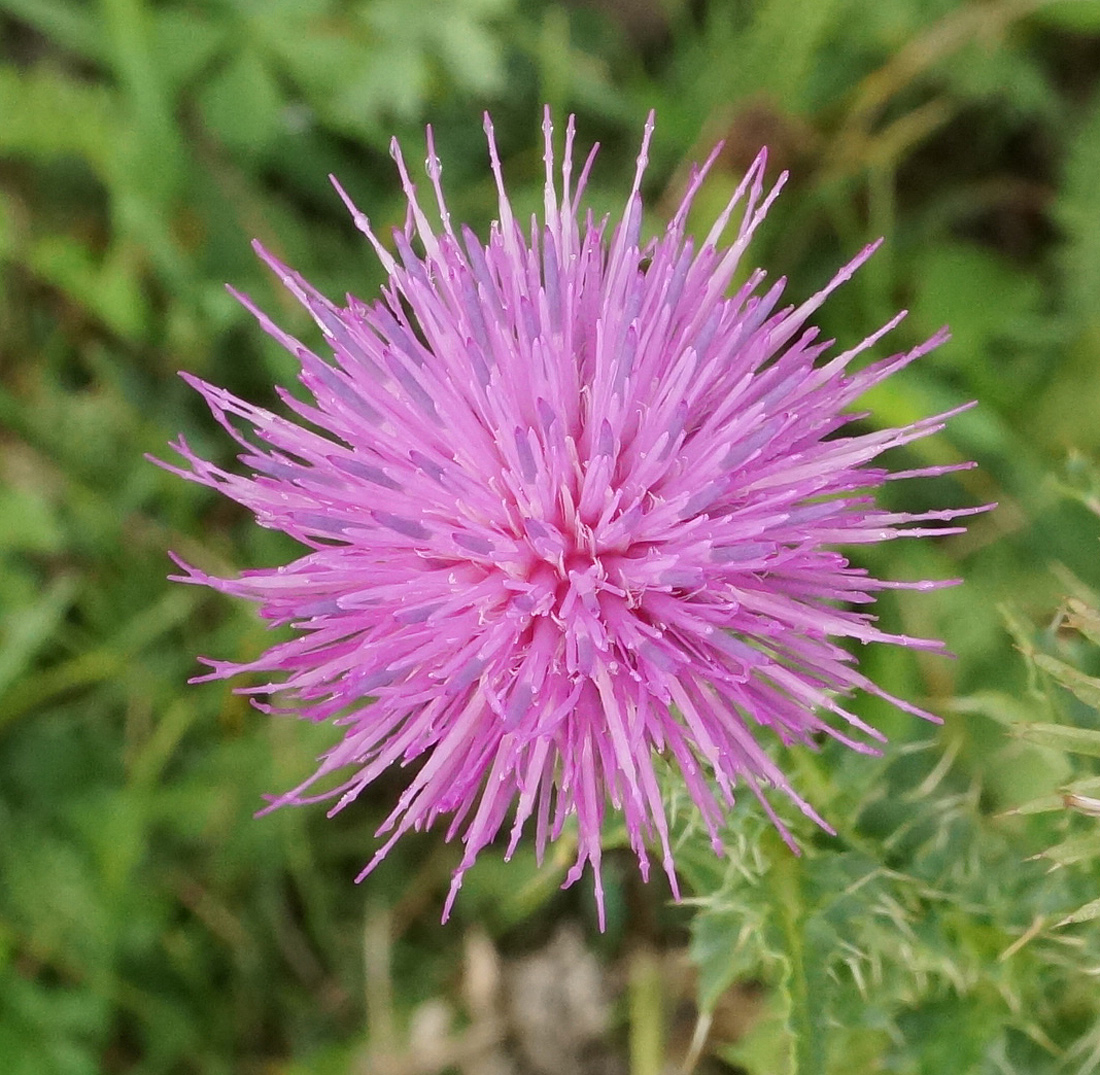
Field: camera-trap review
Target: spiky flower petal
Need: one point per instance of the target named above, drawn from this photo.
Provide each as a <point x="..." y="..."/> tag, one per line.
<point x="568" y="505"/>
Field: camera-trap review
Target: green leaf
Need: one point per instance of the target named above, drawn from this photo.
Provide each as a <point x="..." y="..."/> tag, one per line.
<point x="950" y="1036"/>
<point x="26" y="631"/>
<point x="1083" y="618"/>
<point x="1061" y="737"/>
<point x="1085" y="687"/>
<point x="183" y="43"/>
<point x="469" y="48"/>
<point x="48" y="114"/>
<point x="155" y="159"/>
<point x="1046" y="804"/>
<point x="1087" y="913"/>
<point x="953" y="285"/>
<point x="321" y="56"/>
<point x="1004" y="708"/>
<point x="725" y="947"/>
<point x="242" y="103"/>
<point x="28" y="522"/>
<point x="1051" y="803"/>
<point x="779" y="51"/>
<point x="110" y="289"/>
<point x="1011" y="72"/>
<point x="1021" y="630"/>
<point x="393" y="83"/>
<point x="1077" y="849"/>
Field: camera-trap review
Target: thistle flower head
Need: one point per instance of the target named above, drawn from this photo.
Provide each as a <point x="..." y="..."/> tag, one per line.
<point x="567" y="505"/>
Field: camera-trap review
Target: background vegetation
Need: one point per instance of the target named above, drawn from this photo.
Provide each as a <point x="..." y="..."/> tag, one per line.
<point x="149" y="925"/>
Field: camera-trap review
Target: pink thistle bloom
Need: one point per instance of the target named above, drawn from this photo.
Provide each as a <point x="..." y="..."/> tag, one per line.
<point x="567" y="506"/>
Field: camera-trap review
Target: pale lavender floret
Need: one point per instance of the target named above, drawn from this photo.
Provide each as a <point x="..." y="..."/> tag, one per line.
<point x="568" y="506"/>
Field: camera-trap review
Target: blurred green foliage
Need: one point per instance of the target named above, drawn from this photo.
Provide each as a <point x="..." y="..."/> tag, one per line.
<point x="147" y="924"/>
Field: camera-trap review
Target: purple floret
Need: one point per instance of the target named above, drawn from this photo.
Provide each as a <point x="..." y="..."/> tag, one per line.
<point x="568" y="506"/>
